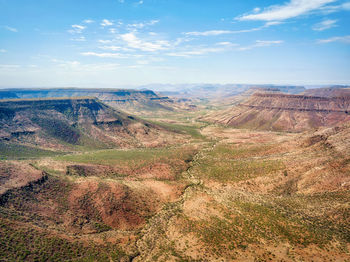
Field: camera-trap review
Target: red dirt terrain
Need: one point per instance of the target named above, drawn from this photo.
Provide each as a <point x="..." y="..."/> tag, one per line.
<point x="92" y="197"/>
<point x="64" y="124"/>
<point x="328" y="92"/>
<point x="228" y="194"/>
<point x="15" y="175"/>
<point x="282" y="112"/>
<point x="292" y="205"/>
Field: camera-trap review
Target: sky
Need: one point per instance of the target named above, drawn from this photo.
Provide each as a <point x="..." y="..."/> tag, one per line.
<point x="121" y="43"/>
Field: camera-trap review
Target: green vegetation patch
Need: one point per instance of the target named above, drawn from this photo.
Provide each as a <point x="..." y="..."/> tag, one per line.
<point x="232" y="151"/>
<point x="328" y="212"/>
<point x="251" y="223"/>
<point x="226" y="163"/>
<point x="28" y="244"/>
<point x="192" y="130"/>
<point x="235" y="170"/>
<point x="135" y="159"/>
<point x="14" y="151"/>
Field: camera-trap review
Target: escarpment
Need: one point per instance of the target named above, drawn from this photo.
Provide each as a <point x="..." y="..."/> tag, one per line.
<point x="65" y="123"/>
<point x="283" y="112"/>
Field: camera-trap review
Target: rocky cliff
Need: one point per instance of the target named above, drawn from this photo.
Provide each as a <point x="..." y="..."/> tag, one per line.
<point x="64" y="123"/>
<point x="124" y="99"/>
<point x="282" y="112"/>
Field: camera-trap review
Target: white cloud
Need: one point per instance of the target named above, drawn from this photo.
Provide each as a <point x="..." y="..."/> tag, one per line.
<point x="293" y="8"/>
<point x="227" y="32"/>
<point x="153" y="22"/>
<point x="343" y="39"/>
<point x="61" y="62"/>
<point x="79" y="39"/>
<point x="104" y="66"/>
<point x="261" y="43"/>
<point x="346" y="6"/>
<point x="334" y="8"/>
<point x="88" y="21"/>
<point x="181" y="40"/>
<point x="106" y="22"/>
<point x="77" y="29"/>
<point x="134" y="42"/>
<point x="111" y="47"/>
<point x="104" y="41"/>
<point x="104" y="55"/>
<point x="73" y="63"/>
<point x="3" y="50"/>
<point x="142" y="62"/>
<point x="113" y="30"/>
<point x="209" y="33"/>
<point x="142" y="24"/>
<point x="256" y="9"/>
<point x="98" y="67"/>
<point x="226" y="44"/>
<point x="2" y="66"/>
<point x="271" y="23"/>
<point x="324" y="25"/>
<point x="78" y="66"/>
<point x="223" y="46"/>
<point x="12" y="29"/>
<point x="268" y="43"/>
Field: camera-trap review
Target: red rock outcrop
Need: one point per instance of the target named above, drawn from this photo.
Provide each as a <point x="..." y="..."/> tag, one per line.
<point x="282" y="112"/>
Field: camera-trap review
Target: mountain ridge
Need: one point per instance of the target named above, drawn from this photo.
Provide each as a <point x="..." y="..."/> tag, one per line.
<point x="68" y="122"/>
<point x="285" y="112"/>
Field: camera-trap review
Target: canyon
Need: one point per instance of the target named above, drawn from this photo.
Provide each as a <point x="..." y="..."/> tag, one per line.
<point x="264" y="175"/>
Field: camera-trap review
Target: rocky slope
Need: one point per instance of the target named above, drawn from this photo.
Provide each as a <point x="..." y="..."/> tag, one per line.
<point x="259" y="196"/>
<point x="98" y="200"/>
<point x="124" y="99"/>
<point x="329" y="92"/>
<point x="238" y="195"/>
<point x="282" y="112"/>
<point x="15" y="175"/>
<point x="64" y="124"/>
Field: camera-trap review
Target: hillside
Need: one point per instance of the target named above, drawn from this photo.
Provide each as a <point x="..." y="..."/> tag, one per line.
<point x="226" y="194"/>
<point x="71" y="123"/>
<point x="276" y="111"/>
<point x="124" y="99"/>
<point x="328" y="92"/>
<point x="250" y="195"/>
<point x="85" y="182"/>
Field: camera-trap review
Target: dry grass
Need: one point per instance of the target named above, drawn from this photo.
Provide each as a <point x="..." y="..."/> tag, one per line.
<point x="244" y="195"/>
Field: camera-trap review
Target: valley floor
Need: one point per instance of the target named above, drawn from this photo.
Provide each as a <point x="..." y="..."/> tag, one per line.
<point x="223" y="195"/>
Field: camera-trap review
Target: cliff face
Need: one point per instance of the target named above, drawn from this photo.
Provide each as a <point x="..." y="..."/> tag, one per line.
<point x="117" y="98"/>
<point x="282" y="112"/>
<point x="75" y="92"/>
<point x="65" y="123"/>
<point x="329" y="92"/>
<point x="298" y="103"/>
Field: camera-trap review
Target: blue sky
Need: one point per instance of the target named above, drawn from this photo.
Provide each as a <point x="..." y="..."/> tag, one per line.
<point x="116" y="43"/>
